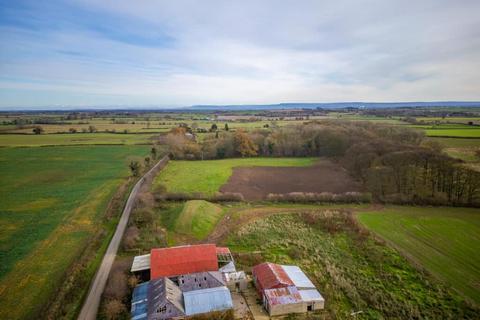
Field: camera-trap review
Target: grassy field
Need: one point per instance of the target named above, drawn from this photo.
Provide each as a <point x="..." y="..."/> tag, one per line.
<point x="208" y="176"/>
<point x="52" y="202"/>
<point x="24" y="140"/>
<point x="446" y="241"/>
<point x="460" y="132"/>
<point x="352" y="271"/>
<point x="198" y="218"/>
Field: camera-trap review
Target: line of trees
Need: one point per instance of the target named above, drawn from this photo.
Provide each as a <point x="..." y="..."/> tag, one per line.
<point x="396" y="164"/>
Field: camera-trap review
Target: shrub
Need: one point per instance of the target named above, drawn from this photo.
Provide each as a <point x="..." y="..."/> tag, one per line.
<point x="113" y="309"/>
<point x="299" y="197"/>
<point x="227" y="196"/>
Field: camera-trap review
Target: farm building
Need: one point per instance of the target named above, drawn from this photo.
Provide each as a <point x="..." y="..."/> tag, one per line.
<point x="175" y="261"/>
<point x="270" y="276"/>
<point x="207" y="300"/>
<point x="185" y="281"/>
<point x="286" y="289"/>
<point x="235" y="281"/>
<point x="281" y="301"/>
<point x="163" y="299"/>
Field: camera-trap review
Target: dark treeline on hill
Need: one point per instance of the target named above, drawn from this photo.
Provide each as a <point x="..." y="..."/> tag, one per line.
<point x="395" y="164"/>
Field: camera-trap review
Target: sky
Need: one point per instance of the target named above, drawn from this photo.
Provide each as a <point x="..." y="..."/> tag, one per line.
<point x="158" y="53"/>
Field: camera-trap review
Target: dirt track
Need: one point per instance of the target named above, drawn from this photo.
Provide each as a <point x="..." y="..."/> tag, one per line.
<point x="255" y="183"/>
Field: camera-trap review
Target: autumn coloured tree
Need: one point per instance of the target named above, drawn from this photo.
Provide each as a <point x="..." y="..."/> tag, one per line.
<point x="244" y="145"/>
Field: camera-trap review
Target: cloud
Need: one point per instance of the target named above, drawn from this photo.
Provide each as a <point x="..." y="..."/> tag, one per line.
<point x="118" y="52"/>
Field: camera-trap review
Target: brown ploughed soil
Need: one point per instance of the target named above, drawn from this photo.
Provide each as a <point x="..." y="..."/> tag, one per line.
<point x="255" y="183"/>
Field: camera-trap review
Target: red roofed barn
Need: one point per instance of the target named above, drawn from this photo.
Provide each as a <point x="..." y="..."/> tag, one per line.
<point x="175" y="261"/>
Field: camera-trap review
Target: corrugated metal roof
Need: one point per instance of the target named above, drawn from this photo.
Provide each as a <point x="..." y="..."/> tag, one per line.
<point x="285" y="295"/>
<point x="168" y="262"/>
<point x="298" y="277"/>
<point x="311" y="295"/>
<point x="141" y="263"/>
<point x="271" y="275"/>
<point x="229" y="267"/>
<point x="207" y="300"/>
<point x="223" y="250"/>
<point x="139" y="302"/>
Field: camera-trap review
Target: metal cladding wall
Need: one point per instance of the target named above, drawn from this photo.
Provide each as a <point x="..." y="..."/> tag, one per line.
<point x="139" y="302"/>
<point x="170" y="262"/>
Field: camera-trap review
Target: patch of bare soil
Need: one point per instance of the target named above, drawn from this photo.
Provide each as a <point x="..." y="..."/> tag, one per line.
<point x="255" y="183"/>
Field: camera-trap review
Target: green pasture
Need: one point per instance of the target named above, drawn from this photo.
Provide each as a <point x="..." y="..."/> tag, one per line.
<point x="31" y="140"/>
<point x="52" y="202"/>
<point x="209" y="175"/>
<point x="457" y="132"/>
<point x="445" y="241"/>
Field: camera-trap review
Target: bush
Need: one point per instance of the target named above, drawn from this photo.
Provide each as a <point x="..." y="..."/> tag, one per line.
<point x="299" y="197"/>
<point x="227" y="196"/>
<point x="113" y="309"/>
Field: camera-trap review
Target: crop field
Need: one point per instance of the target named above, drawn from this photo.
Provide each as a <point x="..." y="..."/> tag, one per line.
<point x="24" y="140"/>
<point x="209" y="175"/>
<point x="52" y="201"/>
<point x="445" y="241"/>
<point x="255" y="183"/>
<point x="461" y="133"/>
<point x="352" y="270"/>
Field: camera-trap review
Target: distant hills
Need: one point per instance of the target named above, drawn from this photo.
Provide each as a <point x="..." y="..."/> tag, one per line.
<point x="337" y="105"/>
<point x="245" y="107"/>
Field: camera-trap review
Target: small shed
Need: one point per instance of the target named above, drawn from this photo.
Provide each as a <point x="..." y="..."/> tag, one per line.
<point x="281" y="301"/>
<point x="236" y="281"/>
<point x="207" y="300"/>
<point x="141" y="266"/>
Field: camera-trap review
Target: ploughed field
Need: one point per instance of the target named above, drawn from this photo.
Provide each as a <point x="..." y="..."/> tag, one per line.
<point x="52" y="202"/>
<point x="255" y="178"/>
<point x="255" y="183"/>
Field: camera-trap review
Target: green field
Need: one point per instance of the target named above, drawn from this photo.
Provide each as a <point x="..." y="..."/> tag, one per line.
<point x="460" y="132"/>
<point x="30" y="140"/>
<point x="445" y="241"/>
<point x="198" y="218"/>
<point x="52" y="202"/>
<point x="351" y="270"/>
<point x="209" y="175"/>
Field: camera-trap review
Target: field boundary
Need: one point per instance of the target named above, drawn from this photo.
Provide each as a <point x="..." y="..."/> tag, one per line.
<point x="90" y="306"/>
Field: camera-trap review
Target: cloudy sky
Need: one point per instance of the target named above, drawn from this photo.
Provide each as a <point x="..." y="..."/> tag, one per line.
<point x="175" y="53"/>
